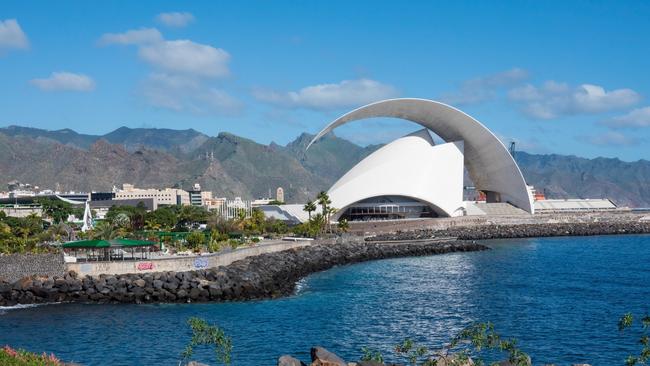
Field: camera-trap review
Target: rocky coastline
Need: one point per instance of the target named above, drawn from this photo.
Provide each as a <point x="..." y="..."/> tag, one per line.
<point x="264" y="276"/>
<point x="493" y="231"/>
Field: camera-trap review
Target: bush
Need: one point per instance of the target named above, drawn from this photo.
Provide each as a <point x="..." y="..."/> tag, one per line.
<point x="195" y="239"/>
<point x="215" y="246"/>
<point x="234" y="243"/>
<point x="12" y="357"/>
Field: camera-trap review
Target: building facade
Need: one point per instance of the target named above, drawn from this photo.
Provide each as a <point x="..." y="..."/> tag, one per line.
<point x="413" y="177"/>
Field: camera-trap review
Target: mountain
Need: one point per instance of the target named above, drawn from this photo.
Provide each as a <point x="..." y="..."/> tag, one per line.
<point x="131" y="138"/>
<point x="156" y="138"/>
<point x="331" y="157"/>
<point x="65" y="137"/>
<point x="627" y="183"/>
<point x="230" y="165"/>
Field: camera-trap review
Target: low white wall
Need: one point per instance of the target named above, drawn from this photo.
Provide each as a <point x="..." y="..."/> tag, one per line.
<point x="178" y="264"/>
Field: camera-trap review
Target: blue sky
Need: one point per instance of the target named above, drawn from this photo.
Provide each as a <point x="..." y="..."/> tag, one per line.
<point x="557" y="77"/>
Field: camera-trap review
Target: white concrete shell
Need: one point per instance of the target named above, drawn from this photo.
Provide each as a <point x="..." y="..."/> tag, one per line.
<point x="490" y="165"/>
<point x="435" y="177"/>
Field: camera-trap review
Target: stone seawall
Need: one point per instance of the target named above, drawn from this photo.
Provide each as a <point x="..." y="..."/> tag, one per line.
<point x="521" y="231"/>
<point x="16" y="266"/>
<point x="263" y="276"/>
<point x="178" y="264"/>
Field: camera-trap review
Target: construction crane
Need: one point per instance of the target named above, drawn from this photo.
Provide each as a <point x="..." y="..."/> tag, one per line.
<point x="512" y="149"/>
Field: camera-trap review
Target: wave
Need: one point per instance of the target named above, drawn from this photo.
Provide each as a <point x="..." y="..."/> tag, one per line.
<point x="5" y="309"/>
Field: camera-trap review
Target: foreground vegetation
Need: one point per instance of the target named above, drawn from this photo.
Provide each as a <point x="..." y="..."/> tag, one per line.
<point x="320" y="223"/>
<point x="180" y="228"/>
<point x="19" y="357"/>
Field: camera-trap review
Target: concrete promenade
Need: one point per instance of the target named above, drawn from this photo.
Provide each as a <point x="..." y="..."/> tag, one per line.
<point x="179" y="264"/>
<point x="382" y="227"/>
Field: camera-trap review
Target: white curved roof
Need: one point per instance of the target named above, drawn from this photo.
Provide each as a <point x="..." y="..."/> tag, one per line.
<point x="435" y="177"/>
<point x="490" y="165"/>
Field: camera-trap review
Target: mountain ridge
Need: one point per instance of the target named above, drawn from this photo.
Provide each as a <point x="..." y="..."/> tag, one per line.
<point x="231" y="165"/>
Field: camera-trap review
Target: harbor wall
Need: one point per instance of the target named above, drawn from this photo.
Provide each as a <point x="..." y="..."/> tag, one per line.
<point x="177" y="264"/>
<point x="267" y="275"/>
<point x="16" y="266"/>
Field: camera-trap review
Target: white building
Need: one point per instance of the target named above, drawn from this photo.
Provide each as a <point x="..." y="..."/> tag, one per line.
<point x="166" y="196"/>
<point x="412" y="177"/>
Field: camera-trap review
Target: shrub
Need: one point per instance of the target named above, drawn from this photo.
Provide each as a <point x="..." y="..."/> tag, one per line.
<point x="13" y="357"/>
<point x="195" y="239"/>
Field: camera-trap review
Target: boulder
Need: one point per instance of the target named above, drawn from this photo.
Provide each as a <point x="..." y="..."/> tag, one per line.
<point x="322" y="357"/>
<point x="450" y="361"/>
<point x="370" y="363"/>
<point x="139" y="282"/>
<point x="508" y="363"/>
<point x="287" y="360"/>
<point x="23" y="284"/>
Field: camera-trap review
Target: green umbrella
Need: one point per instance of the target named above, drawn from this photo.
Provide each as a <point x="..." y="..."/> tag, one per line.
<point x="114" y="243"/>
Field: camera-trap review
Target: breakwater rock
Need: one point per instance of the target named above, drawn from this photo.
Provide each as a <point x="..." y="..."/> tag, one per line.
<point x="480" y="232"/>
<point x="264" y="276"/>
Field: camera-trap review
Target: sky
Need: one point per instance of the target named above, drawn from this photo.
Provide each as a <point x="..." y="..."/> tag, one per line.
<point x="553" y="76"/>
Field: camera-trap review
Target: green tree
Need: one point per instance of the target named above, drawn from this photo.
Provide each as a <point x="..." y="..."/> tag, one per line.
<point x="165" y="217"/>
<point x="57" y="210"/>
<point x="309" y="207"/>
<point x="324" y="201"/>
<point x="189" y="215"/>
<point x="104" y="230"/>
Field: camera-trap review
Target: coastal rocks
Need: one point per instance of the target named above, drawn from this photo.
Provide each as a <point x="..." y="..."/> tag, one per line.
<point x="287" y="360"/>
<point x="481" y="232"/>
<point x="322" y="357"/>
<point x="265" y="276"/>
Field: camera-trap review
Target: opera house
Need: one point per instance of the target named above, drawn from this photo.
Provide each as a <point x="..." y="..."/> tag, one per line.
<point x="413" y="177"/>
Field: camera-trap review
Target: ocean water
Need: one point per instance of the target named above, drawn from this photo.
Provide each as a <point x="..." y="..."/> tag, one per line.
<point x="560" y="297"/>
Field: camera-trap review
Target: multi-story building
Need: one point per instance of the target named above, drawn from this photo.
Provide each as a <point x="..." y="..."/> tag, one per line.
<point x="166" y="196"/>
<point x="196" y="198"/>
<point x="279" y="194"/>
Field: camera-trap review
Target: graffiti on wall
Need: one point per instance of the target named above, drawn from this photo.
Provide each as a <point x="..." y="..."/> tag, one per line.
<point x="145" y="266"/>
<point x="201" y="263"/>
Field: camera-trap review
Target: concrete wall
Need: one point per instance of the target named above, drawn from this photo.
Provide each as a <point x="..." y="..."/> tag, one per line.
<point x="21" y="211"/>
<point x="16" y="266"/>
<point x="178" y="264"/>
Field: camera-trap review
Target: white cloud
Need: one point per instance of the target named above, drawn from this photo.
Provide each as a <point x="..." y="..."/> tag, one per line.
<point x="183" y="70"/>
<point x="183" y="93"/>
<point x="12" y="36"/>
<point x="610" y="138"/>
<point x="66" y="81"/>
<point x="485" y="88"/>
<point x="553" y="99"/>
<point x="639" y="117"/>
<point x="185" y="56"/>
<point x="175" y="19"/>
<point x="140" y="36"/>
<point x="347" y="93"/>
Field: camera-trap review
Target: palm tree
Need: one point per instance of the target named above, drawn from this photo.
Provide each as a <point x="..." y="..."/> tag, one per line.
<point x="310" y="207"/>
<point x="324" y="201"/>
<point x="151" y="224"/>
<point x="343" y="225"/>
<point x="330" y="212"/>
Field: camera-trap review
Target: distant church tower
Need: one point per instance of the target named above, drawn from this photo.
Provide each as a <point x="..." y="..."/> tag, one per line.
<point x="279" y="194"/>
